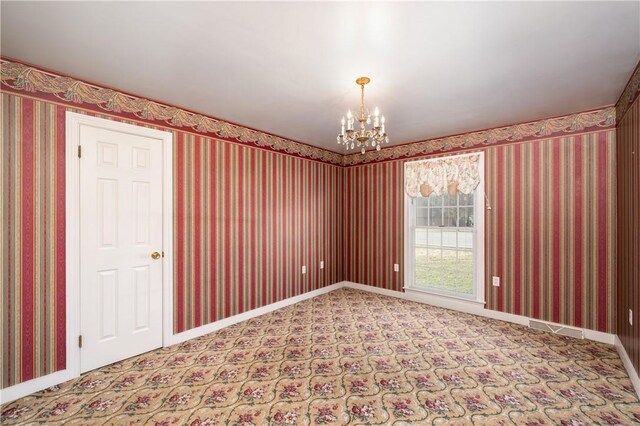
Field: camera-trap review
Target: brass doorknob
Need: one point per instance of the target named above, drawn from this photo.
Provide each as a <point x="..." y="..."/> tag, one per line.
<point x="155" y="255"/>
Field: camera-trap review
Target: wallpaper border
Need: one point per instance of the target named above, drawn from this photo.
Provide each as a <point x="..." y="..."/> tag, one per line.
<point x="541" y="129"/>
<point x="18" y="77"/>
<point x="629" y="94"/>
<point x="23" y="78"/>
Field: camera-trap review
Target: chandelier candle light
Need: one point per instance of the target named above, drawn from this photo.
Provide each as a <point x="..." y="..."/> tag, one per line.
<point x="351" y="138"/>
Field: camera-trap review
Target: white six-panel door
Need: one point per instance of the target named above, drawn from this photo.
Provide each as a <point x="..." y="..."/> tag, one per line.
<point x="120" y="245"/>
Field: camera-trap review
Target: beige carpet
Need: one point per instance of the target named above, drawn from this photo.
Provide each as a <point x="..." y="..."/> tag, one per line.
<point x="351" y="357"/>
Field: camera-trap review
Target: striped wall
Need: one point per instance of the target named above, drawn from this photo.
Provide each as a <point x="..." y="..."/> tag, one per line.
<point x="32" y="239"/>
<point x="374" y="224"/>
<point x="628" y="137"/>
<point x="246" y="220"/>
<point x="550" y="234"/>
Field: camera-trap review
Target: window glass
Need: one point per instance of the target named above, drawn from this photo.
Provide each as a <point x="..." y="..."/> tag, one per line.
<point x="465" y="199"/>
<point x="465" y="217"/>
<point x="435" y="216"/>
<point x="444" y="243"/>
<point x="450" y="216"/>
<point x="435" y="200"/>
<point x="449" y="200"/>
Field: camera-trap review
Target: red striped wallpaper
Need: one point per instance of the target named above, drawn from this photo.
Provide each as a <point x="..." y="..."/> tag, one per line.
<point x="374" y="224"/>
<point x="628" y="136"/>
<point x="550" y="234"/>
<point x="246" y="220"/>
<point x="32" y="239"/>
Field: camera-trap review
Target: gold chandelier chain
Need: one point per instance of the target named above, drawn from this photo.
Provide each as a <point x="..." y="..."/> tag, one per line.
<point x="362" y="103"/>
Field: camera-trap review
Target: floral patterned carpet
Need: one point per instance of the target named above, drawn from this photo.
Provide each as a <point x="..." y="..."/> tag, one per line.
<point x="351" y="357"/>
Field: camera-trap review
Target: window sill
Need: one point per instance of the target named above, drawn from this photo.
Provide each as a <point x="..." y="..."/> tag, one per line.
<point x="444" y="300"/>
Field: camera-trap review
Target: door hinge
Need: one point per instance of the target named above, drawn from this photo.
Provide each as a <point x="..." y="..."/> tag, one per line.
<point x="80" y="341"/>
<point x="79" y="151"/>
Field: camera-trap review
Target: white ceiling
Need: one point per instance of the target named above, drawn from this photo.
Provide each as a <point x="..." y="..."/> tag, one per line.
<point x="289" y="68"/>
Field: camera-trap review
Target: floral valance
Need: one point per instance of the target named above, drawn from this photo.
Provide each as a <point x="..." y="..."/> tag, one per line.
<point x="452" y="174"/>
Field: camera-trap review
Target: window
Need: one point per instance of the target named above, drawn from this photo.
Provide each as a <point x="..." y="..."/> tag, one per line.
<point x="444" y="246"/>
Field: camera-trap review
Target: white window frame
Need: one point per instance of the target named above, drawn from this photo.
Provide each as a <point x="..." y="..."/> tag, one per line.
<point x="478" y="241"/>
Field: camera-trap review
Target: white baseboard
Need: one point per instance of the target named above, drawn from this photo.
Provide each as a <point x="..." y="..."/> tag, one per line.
<point x="20" y="390"/>
<point x="31" y="386"/>
<point x="372" y="289"/>
<point x="215" y="326"/>
<point x="628" y="365"/>
<point x="472" y="308"/>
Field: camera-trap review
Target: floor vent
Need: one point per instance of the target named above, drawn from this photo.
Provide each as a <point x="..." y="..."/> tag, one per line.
<point x="557" y="329"/>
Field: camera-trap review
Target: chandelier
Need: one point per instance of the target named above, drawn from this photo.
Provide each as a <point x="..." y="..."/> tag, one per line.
<point x="363" y="138"/>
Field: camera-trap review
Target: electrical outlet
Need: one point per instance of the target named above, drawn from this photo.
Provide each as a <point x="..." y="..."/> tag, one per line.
<point x="396" y="267"/>
<point x="322" y="264"/>
<point x="496" y="281"/>
<point x="630" y="317"/>
<point x="304" y="269"/>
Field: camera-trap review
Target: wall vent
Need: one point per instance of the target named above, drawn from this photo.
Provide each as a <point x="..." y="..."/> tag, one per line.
<point x="557" y="329"/>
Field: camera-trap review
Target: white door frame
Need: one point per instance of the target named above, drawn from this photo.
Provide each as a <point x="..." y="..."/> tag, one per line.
<point x="73" y="123"/>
